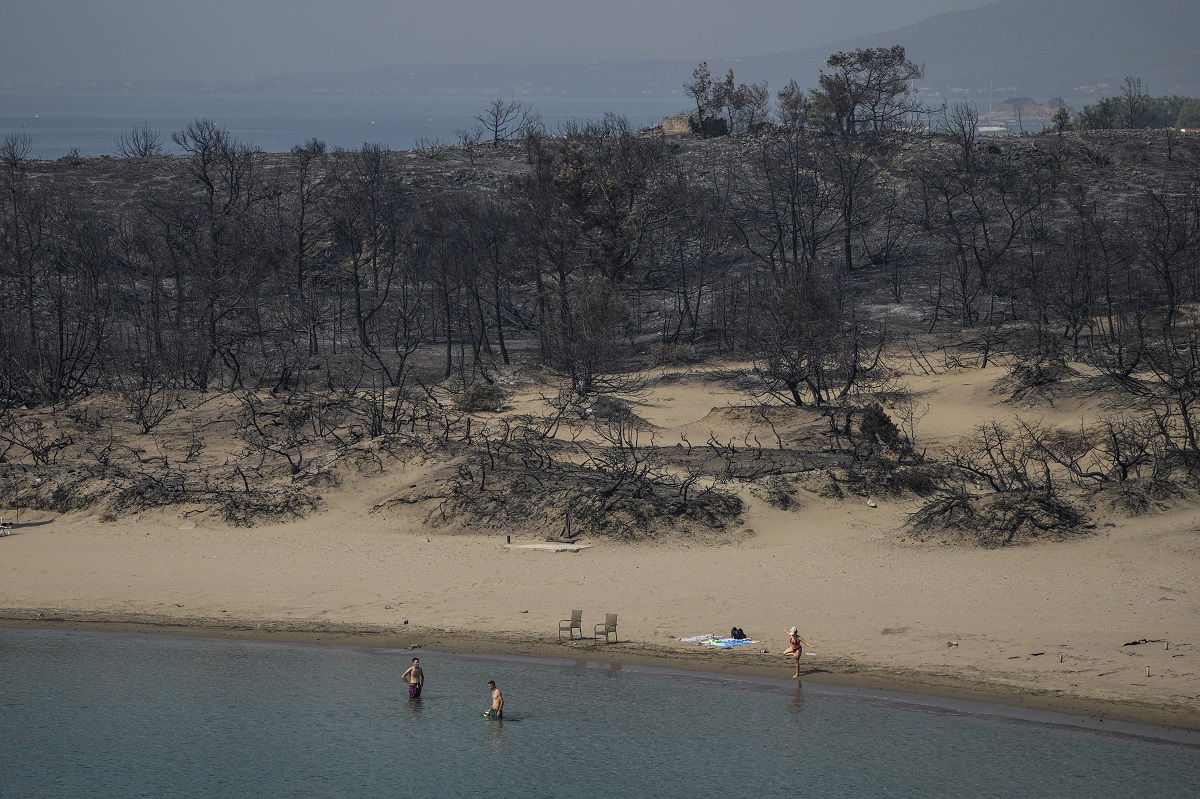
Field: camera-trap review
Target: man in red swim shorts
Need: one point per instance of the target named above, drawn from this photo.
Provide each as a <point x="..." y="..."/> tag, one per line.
<point x="415" y="678"/>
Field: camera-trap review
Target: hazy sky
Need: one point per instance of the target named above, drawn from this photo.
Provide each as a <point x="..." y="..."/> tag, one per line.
<point x="231" y="39"/>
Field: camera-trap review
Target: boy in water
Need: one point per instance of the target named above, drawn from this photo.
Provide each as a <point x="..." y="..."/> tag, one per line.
<point x="415" y="678"/>
<point x="496" y="711"/>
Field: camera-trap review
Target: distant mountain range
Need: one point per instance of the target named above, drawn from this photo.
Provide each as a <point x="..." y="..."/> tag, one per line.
<point x="1040" y="49"/>
<point x="1052" y="48"/>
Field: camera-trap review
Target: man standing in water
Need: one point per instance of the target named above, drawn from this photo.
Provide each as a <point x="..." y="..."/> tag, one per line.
<point x="415" y="679"/>
<point x="496" y="711"/>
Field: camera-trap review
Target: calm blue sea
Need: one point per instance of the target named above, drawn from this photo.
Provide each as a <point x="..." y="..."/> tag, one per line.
<point x="106" y="715"/>
<point x="57" y="123"/>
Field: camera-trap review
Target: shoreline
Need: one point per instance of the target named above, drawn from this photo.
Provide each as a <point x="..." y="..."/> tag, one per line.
<point x="912" y="684"/>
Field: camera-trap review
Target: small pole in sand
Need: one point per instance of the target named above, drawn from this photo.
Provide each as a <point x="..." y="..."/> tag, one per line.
<point x="1060" y="658"/>
<point x="1147" y="671"/>
<point x="1168" y="646"/>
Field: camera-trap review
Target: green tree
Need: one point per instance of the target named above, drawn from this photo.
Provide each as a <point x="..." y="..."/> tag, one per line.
<point x="748" y="106"/>
<point x="723" y="98"/>
<point x="700" y="89"/>
<point x="867" y="90"/>
<point x="1061" y="119"/>
<point x="880" y="433"/>
<point x="590" y="352"/>
<point x="793" y="106"/>
<point x="1103" y="115"/>
<point x="1133" y="109"/>
<point x="1189" y="115"/>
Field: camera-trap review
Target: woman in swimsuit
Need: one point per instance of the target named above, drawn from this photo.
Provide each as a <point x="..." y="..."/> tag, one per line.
<point x="796" y="644"/>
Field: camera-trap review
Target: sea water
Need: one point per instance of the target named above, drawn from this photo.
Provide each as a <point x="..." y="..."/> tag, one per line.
<point x="57" y="123"/>
<point x="87" y="714"/>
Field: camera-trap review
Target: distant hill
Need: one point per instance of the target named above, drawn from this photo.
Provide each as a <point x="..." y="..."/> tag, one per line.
<point x="1040" y="49"/>
<point x="1012" y="48"/>
<point x="1045" y="48"/>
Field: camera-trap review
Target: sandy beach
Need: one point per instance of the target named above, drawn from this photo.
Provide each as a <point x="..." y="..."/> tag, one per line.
<point x="1048" y="625"/>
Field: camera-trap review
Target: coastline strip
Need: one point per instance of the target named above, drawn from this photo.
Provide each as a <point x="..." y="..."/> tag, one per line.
<point x="1177" y="722"/>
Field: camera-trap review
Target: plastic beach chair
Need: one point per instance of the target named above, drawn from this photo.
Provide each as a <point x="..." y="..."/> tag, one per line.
<point x="608" y="628"/>
<point x="571" y="625"/>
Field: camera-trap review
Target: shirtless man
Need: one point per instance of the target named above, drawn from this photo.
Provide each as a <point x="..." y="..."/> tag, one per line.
<point x="496" y="711"/>
<point x="415" y="678"/>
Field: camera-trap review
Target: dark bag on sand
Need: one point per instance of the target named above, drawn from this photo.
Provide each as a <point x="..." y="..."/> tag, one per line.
<point x="737" y="634"/>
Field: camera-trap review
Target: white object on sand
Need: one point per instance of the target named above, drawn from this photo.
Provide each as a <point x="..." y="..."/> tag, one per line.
<point x="550" y="547"/>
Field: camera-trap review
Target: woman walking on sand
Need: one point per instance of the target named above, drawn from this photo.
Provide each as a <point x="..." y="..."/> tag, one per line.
<point x="796" y="644"/>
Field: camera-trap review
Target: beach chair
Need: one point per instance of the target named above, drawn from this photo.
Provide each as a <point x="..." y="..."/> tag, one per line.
<point x="608" y="628"/>
<point x="571" y="625"/>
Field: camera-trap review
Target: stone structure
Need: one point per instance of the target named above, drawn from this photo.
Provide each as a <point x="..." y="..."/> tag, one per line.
<point x="677" y="125"/>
